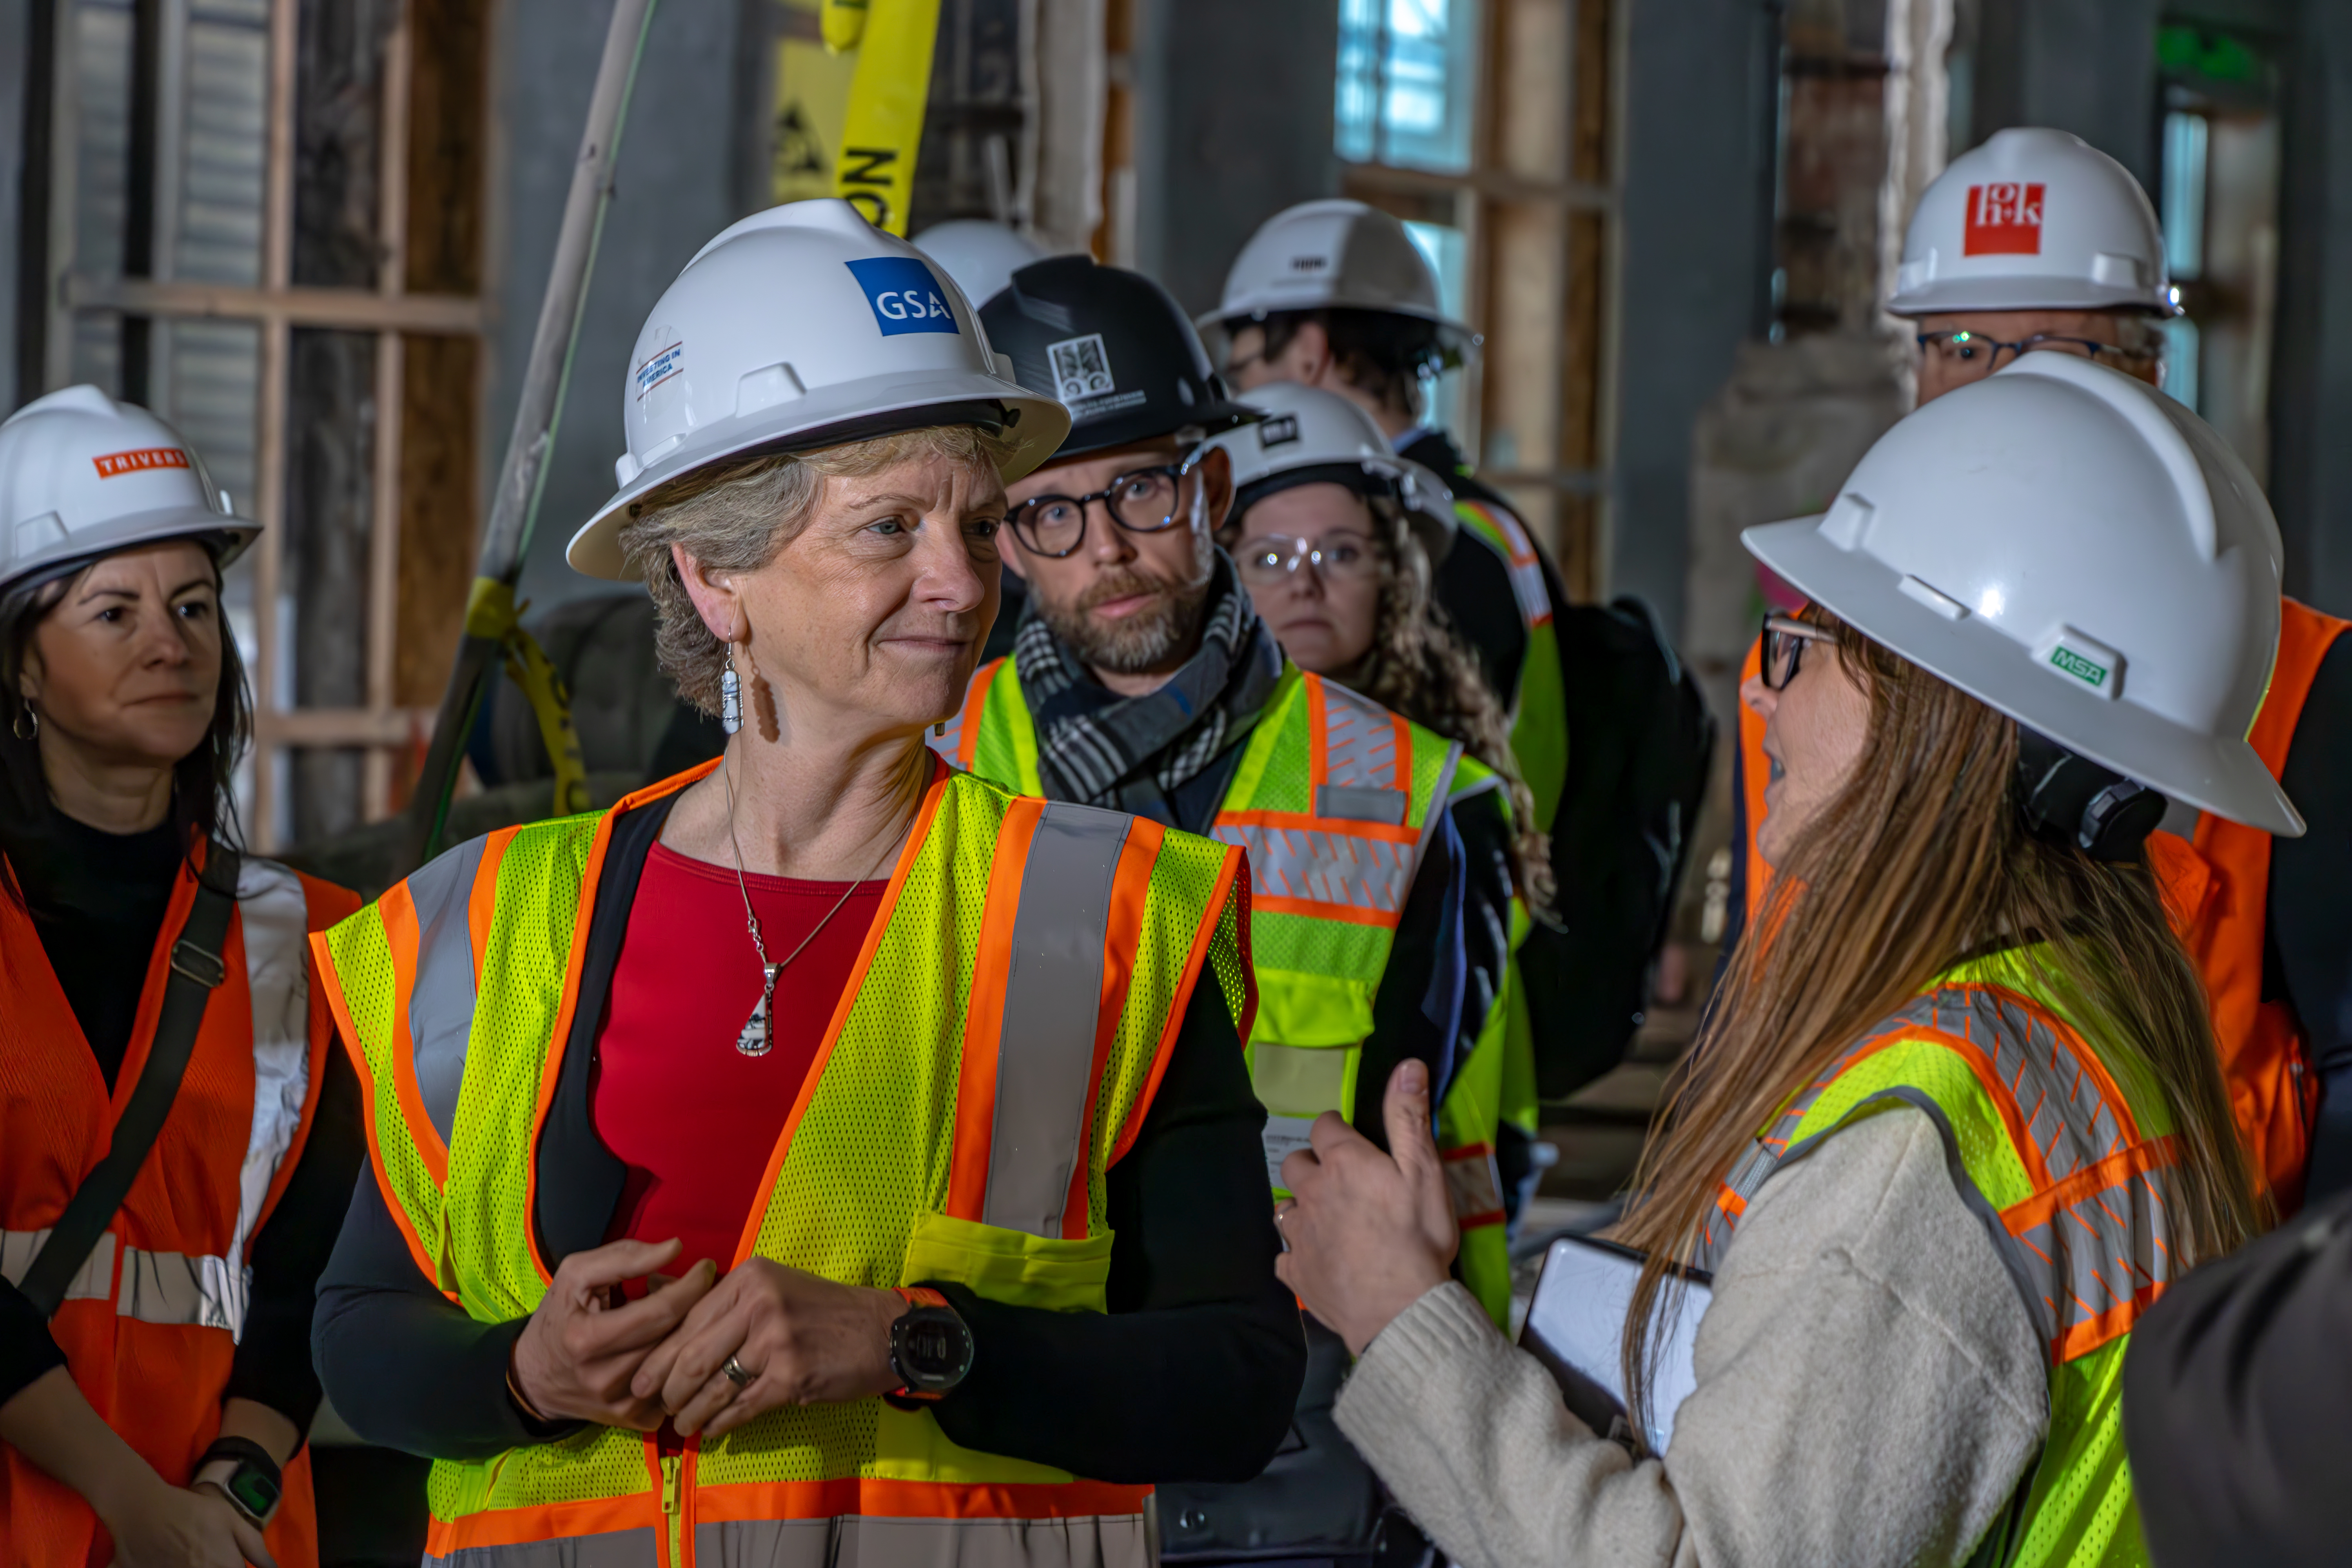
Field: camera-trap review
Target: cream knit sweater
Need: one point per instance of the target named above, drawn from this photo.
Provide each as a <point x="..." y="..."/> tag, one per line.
<point x="1870" y="1391"/>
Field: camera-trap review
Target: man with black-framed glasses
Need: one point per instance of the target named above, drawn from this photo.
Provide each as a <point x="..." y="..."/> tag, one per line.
<point x="1142" y="679"/>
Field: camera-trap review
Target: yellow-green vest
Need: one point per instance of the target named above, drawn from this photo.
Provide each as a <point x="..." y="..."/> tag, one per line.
<point x="994" y="1053"/>
<point x="2065" y="1148"/>
<point x="1540" y="737"/>
<point x="1335" y="798"/>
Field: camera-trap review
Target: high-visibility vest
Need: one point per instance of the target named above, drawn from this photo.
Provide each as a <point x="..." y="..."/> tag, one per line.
<point x="996" y="1051"/>
<point x="1539" y="739"/>
<point x="1335" y="798"/>
<point x="2066" y="1151"/>
<point x="150" y="1325"/>
<point x="2217" y="891"/>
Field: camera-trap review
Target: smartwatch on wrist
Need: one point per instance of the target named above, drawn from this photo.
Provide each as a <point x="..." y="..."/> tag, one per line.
<point x="930" y="1347"/>
<point x="241" y="1470"/>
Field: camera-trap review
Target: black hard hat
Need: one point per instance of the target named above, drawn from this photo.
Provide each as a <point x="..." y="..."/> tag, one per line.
<point x="1115" y="347"/>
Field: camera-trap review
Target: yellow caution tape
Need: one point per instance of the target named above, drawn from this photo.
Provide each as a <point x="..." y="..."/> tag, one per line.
<point x="492" y="614"/>
<point x="843" y="23"/>
<point x="876" y="172"/>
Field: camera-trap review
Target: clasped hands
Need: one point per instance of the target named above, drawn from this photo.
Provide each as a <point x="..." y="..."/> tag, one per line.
<point x="801" y="1338"/>
<point x="1366" y="1235"/>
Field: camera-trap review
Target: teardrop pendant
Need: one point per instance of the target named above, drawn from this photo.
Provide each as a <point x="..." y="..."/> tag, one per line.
<point x="758" y="1036"/>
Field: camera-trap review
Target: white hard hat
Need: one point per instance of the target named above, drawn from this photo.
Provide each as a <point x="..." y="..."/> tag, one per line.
<point x="2078" y="551"/>
<point x="1311" y="436"/>
<point x="1335" y="254"/>
<point x="2032" y="220"/>
<point x="803" y="327"/>
<point x="82" y="474"/>
<point x="980" y="256"/>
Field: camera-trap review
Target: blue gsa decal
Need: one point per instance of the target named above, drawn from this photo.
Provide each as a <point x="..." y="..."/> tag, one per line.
<point x="904" y="295"/>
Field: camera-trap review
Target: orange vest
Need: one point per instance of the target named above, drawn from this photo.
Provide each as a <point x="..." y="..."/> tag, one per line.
<point x="149" y="1327"/>
<point x="2218" y="893"/>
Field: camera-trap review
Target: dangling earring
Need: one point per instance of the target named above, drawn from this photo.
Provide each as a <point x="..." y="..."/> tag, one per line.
<point x="27" y="725"/>
<point x="941" y="728"/>
<point x="731" y="696"/>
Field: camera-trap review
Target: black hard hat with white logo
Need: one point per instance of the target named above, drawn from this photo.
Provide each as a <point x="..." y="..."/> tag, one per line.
<point x="1115" y="348"/>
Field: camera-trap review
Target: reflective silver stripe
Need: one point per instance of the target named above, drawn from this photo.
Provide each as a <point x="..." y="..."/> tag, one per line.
<point x="1117" y="1541"/>
<point x="1053" y="992"/>
<point x="1475" y="1183"/>
<point x="157" y="1286"/>
<point x="1520" y="560"/>
<point x="272" y="917"/>
<point x="95" y="1282"/>
<point x="1353" y="803"/>
<point x="945" y="742"/>
<point x="613" y="1549"/>
<point x="1440" y="798"/>
<point x="441" y="1007"/>
<point x="1359" y="749"/>
<point x="1336" y="868"/>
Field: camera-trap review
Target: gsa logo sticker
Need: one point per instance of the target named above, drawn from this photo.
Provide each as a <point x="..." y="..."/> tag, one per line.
<point x="905" y="298"/>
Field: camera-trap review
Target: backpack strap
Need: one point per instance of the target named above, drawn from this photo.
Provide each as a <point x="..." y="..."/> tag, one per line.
<point x="196" y="970"/>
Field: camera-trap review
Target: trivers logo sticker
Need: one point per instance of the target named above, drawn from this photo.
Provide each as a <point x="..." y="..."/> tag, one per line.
<point x="904" y="295"/>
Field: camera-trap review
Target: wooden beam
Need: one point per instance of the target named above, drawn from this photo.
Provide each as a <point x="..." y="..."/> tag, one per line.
<point x="348" y="309"/>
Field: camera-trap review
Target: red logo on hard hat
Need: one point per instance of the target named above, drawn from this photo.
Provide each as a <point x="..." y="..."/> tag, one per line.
<point x="2004" y="220"/>
<point x="116" y="464"/>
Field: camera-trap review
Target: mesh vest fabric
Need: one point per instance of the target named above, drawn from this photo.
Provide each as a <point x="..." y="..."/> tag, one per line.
<point x="1335" y="799"/>
<point x="1540" y="737"/>
<point x="2065" y="1149"/>
<point x="1469" y="1119"/>
<point x="884" y="1175"/>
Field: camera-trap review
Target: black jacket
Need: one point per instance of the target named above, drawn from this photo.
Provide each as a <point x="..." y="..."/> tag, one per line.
<point x="1191" y="1373"/>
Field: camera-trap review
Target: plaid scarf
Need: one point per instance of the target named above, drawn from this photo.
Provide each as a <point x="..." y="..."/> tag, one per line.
<point x="1095" y="740"/>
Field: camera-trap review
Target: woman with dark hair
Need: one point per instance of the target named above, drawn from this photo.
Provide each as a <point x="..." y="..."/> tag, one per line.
<point x="156" y="1379"/>
<point x="1335" y="537"/>
<point x="1955" y="1118"/>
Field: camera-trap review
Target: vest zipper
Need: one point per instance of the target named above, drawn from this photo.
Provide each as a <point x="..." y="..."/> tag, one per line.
<point x="673" y="1514"/>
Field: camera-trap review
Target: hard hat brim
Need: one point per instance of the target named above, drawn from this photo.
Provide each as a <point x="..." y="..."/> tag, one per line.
<point x="1453" y="338"/>
<point x="1435" y="533"/>
<point x="118" y="535"/>
<point x="1151" y="424"/>
<point x="1956" y="295"/>
<point x="847" y="411"/>
<point x="2216" y="773"/>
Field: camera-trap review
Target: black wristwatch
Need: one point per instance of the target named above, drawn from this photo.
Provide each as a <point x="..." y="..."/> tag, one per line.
<point x="930" y="1347"/>
<point x="241" y="1470"/>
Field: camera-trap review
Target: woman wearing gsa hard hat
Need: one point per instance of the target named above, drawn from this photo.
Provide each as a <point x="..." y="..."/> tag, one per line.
<point x="177" y="1142"/>
<point x="1954" y="1120"/>
<point x="823" y="1152"/>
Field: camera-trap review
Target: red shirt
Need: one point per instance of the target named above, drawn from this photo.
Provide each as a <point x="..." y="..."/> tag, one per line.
<point x="695" y="1120"/>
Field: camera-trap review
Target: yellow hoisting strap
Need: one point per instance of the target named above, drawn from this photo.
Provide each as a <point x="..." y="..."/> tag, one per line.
<point x="876" y="172"/>
<point x="492" y="614"/>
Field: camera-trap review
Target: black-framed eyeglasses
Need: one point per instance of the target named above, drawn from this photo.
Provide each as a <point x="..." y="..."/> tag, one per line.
<point x="1785" y="638"/>
<point x="1147" y="500"/>
<point x="1974" y="353"/>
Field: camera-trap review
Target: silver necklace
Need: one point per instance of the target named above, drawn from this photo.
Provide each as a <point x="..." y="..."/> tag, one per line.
<point x="757" y="1038"/>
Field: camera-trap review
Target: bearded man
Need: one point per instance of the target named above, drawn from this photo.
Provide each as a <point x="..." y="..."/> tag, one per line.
<point x="1142" y="679"/>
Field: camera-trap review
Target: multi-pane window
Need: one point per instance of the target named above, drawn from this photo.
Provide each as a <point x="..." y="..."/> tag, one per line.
<point x="1484" y="125"/>
<point x="264" y="225"/>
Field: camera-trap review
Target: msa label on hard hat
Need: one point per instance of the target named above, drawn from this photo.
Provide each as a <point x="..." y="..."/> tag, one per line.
<point x="904" y="295"/>
<point x="1279" y="431"/>
<point x="1081" y="369"/>
<point x="2003" y="219"/>
<point x="114" y="465"/>
<point x="667" y="363"/>
<point x="2081" y="658"/>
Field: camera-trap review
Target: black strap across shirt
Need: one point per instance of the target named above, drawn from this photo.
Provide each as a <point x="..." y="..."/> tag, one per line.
<point x="98" y="900"/>
<point x="1191" y="1373"/>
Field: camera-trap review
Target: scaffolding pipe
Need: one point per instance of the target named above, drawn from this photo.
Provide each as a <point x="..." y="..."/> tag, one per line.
<point x="522" y="475"/>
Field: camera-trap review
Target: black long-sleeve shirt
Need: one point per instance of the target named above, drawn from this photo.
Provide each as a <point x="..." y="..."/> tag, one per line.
<point x="98" y="900"/>
<point x="1192" y="1373"/>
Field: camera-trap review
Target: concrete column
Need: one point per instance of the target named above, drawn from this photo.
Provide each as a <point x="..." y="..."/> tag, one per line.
<point x="2311" y="379"/>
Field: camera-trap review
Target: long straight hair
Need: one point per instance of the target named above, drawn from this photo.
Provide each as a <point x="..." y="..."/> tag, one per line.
<point x="1921" y="860"/>
<point x="202" y="801"/>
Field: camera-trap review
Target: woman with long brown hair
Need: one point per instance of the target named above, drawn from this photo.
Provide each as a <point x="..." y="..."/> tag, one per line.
<point x="1955" y="1118"/>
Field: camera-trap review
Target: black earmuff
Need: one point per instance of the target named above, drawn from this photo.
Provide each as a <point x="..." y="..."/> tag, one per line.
<point x="2069" y="799"/>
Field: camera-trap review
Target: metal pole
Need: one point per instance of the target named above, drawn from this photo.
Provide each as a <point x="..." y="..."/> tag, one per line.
<point x="523" y="475"/>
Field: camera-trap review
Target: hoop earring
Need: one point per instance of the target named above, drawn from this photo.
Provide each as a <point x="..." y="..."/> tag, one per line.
<point x="27" y="724"/>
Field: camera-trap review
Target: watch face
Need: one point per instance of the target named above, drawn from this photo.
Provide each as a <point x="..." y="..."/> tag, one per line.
<point x="934" y="1347"/>
<point x="255" y="1492"/>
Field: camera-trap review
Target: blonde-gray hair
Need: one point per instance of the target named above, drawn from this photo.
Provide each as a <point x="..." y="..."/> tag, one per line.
<point x="739" y="516"/>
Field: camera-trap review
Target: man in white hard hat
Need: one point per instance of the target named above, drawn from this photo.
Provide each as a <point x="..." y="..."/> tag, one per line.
<point x="2036" y="242"/>
<point x="1335" y="295"/>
